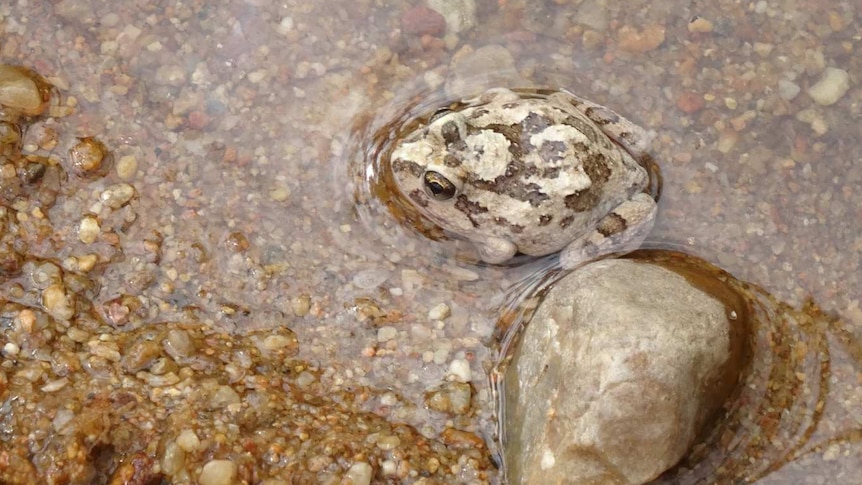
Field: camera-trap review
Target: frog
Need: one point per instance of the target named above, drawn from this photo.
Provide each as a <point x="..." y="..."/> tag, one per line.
<point x="531" y="172"/>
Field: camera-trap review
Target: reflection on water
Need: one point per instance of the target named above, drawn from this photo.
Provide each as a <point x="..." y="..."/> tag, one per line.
<point x="785" y="408"/>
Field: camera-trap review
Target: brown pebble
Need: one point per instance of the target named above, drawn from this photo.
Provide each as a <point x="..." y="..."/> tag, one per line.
<point x="690" y="102"/>
<point x="461" y="439"/>
<point x="700" y="25"/>
<point x="637" y="42"/>
<point x="421" y="21"/>
<point x="237" y="242"/>
<point x="198" y="120"/>
<point x="89" y="157"/>
<point x="23" y="91"/>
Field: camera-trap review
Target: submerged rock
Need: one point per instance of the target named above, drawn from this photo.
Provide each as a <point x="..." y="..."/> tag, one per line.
<point x="23" y="91"/>
<point x="615" y="376"/>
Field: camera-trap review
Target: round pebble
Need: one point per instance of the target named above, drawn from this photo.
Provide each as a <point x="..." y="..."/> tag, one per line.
<point x="218" y="472"/>
<point x="117" y="195"/>
<point x="127" y="166"/>
<point x="359" y="473"/>
<point x="788" y="89"/>
<point x="370" y="278"/>
<point x="88" y="230"/>
<point x="460" y="370"/>
<point x="23" y="90"/>
<point x="833" y="84"/>
<point x="440" y="311"/>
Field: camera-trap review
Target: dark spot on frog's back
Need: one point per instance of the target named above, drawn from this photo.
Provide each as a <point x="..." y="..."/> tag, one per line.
<point x="545" y="219"/>
<point x="597" y="167"/>
<point x="470" y="208"/>
<point x="583" y="200"/>
<point x="534" y="123"/>
<point x="566" y="221"/>
<point x="513" y="133"/>
<point x="552" y="151"/>
<point x="514" y="228"/>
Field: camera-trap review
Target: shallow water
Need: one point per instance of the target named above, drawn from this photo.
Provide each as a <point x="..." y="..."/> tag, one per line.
<point x="248" y="122"/>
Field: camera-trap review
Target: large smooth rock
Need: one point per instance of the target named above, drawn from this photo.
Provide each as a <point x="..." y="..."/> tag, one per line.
<point x="615" y="375"/>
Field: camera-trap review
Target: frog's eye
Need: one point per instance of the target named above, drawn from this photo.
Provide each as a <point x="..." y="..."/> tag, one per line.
<point x="437" y="186"/>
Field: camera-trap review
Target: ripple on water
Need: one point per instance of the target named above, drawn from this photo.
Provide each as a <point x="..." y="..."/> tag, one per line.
<point x="779" y="416"/>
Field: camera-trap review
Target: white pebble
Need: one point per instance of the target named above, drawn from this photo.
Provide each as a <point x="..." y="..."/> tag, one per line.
<point x="11" y="349"/>
<point x="188" y="440"/>
<point x="55" y="385"/>
<point x="359" y="474"/>
<point x="439" y="312"/>
<point x="460" y="370"/>
<point x="127" y="166"/>
<point x="788" y="89"/>
<point x="117" y="195"/>
<point x="171" y="75"/>
<point x="833" y="84"/>
<point x="388" y="467"/>
<point x="218" y="472"/>
<point x="88" y="230"/>
<point x="385" y="334"/>
<point x="370" y="278"/>
<point x="460" y="15"/>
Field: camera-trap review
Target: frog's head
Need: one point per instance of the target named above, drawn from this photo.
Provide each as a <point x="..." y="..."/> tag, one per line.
<point x="427" y="166"/>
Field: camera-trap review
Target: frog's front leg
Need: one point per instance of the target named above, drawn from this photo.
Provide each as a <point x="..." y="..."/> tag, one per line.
<point x="496" y="250"/>
<point x="621" y="231"/>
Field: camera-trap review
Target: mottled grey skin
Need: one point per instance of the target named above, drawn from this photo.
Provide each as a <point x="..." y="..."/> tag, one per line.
<point x="521" y="172"/>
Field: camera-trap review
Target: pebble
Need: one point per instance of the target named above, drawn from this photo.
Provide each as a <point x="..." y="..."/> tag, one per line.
<point x="421" y="21"/>
<point x="171" y="75"/>
<point x="277" y="342"/>
<point x="188" y="440"/>
<point x="451" y="398"/>
<point x="11" y="349"/>
<point x="279" y="194"/>
<point x="218" y="472"/>
<point x="127" y="166"/>
<point x="594" y="15"/>
<point x="385" y="334"/>
<point x="224" y="396"/>
<point x="89" y="157"/>
<point x="359" y="474"/>
<point x="700" y="25"/>
<point x="57" y="303"/>
<point x="23" y="90"/>
<point x="460" y="370"/>
<point x="440" y="312"/>
<point x="117" y="195"/>
<point x="301" y="305"/>
<point x="370" y="278"/>
<point x="88" y="230"/>
<point x="833" y="84"/>
<point x="690" y="102"/>
<point x="638" y="42"/>
<point x="788" y="89"/>
<point x="460" y="15"/>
